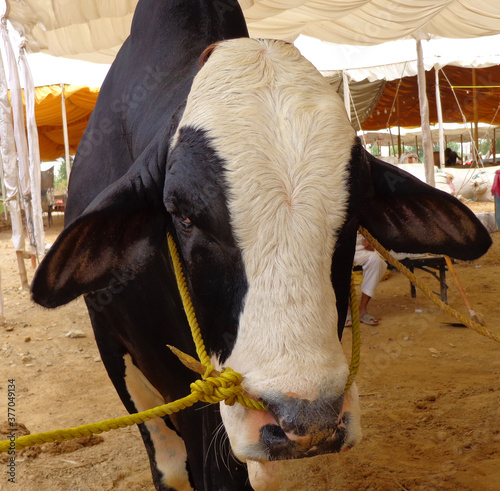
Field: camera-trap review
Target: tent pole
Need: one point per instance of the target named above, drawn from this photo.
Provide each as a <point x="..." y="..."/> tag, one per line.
<point x="462" y="147"/>
<point x="416" y="145"/>
<point x="440" y="120"/>
<point x="347" y="94"/>
<point x="399" y="127"/>
<point x="476" y="128"/>
<point x="424" y="117"/>
<point x="494" y="147"/>
<point x="392" y="144"/>
<point x="22" y="270"/>
<point x="2" y="316"/>
<point x="399" y="142"/>
<point x="65" y="132"/>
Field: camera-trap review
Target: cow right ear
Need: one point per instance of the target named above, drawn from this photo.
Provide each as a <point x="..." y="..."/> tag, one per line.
<point x="99" y="250"/>
<point x="115" y="238"/>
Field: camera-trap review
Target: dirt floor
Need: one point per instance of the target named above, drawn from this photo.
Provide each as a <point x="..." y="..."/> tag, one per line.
<point x="430" y="393"/>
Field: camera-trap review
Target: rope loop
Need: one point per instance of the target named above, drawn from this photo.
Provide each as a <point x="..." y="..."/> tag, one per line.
<point x="226" y="385"/>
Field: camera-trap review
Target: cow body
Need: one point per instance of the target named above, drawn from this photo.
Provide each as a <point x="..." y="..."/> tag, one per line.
<point x="252" y="166"/>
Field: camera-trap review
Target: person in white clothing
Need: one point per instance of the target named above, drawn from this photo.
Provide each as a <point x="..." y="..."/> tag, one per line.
<point x="374" y="268"/>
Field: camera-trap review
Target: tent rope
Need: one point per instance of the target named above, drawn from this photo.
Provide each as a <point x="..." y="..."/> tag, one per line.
<point x="396" y="95"/>
<point x="427" y="291"/>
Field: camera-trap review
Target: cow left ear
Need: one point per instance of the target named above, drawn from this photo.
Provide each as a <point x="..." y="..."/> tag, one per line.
<point x="407" y="215"/>
<point x="113" y="241"/>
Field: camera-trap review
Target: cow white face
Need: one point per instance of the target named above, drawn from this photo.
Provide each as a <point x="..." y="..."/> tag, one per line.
<point x="274" y="143"/>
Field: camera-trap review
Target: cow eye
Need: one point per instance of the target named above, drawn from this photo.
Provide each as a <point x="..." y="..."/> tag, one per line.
<point x="185" y="222"/>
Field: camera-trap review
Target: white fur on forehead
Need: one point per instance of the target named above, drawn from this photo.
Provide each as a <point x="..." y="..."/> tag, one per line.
<point x="278" y="125"/>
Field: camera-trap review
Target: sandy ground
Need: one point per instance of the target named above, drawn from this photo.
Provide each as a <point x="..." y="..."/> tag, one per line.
<point x="430" y="394"/>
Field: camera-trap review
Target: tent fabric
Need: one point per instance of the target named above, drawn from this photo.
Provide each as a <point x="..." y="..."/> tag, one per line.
<point x="364" y="95"/>
<point x="80" y="102"/>
<point x="10" y="176"/>
<point x="17" y="115"/>
<point x="94" y="30"/>
<point x="397" y="59"/>
<point x="404" y="109"/>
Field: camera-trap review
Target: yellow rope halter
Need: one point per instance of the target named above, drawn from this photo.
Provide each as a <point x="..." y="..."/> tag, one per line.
<point x="213" y="387"/>
<point x="226" y="386"/>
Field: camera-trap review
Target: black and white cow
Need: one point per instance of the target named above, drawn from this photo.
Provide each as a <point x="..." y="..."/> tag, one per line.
<point x="252" y="166"/>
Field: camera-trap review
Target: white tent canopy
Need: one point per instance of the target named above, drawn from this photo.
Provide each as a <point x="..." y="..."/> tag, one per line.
<point x="94" y="30"/>
<point x="398" y="59"/>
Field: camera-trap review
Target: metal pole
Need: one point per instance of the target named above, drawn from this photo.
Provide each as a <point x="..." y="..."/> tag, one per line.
<point x="440" y="120"/>
<point x="494" y="147"/>
<point x="399" y="127"/>
<point x="399" y="142"/>
<point x="476" y="128"/>
<point x="424" y="117"/>
<point x="65" y="132"/>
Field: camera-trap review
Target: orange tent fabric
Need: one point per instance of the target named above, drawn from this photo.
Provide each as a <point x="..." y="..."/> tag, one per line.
<point x="80" y="102"/>
<point x="404" y="110"/>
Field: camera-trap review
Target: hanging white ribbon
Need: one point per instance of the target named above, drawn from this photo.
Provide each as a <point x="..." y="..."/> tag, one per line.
<point x="19" y="130"/>
<point x="34" y="152"/>
<point x="9" y="161"/>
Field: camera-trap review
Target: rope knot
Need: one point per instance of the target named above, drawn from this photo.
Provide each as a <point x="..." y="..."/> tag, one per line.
<point x="225" y="387"/>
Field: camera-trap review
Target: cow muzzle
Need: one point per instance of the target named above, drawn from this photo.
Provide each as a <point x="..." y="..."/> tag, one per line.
<point x="293" y="427"/>
<point x="302" y="428"/>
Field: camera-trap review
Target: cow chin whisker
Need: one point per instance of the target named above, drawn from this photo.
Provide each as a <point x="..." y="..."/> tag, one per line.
<point x="221" y="447"/>
<point x="217" y="445"/>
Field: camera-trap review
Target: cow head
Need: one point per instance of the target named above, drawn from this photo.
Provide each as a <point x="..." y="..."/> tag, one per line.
<point x="275" y="146"/>
<point x="262" y="183"/>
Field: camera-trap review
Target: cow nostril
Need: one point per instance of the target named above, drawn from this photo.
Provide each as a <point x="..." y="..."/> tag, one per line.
<point x="273" y="435"/>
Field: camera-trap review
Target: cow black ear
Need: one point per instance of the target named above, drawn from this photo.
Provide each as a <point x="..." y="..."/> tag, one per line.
<point x="113" y="241"/>
<point x="97" y="251"/>
<point x="407" y="215"/>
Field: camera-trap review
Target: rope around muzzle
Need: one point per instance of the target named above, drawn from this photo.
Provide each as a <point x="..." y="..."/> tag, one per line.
<point x="200" y="347"/>
<point x="212" y="388"/>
